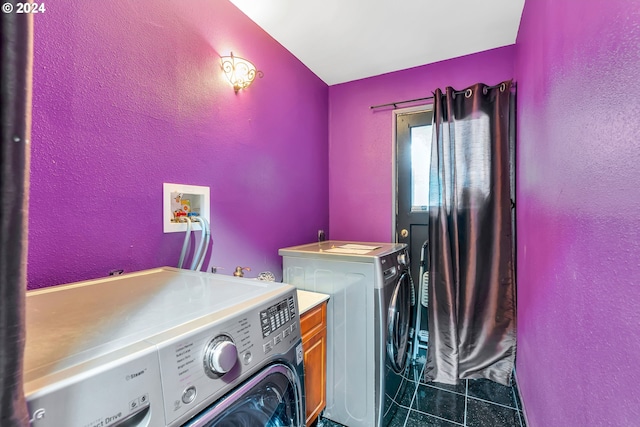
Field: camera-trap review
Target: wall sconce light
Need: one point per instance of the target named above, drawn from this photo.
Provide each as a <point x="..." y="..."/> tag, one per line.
<point x="239" y="71"/>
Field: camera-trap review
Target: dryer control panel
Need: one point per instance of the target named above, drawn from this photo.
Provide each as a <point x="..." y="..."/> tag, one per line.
<point x="394" y="265"/>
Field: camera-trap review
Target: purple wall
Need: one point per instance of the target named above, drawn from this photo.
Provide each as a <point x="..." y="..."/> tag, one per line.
<point x="130" y="94"/>
<point x="360" y="139"/>
<point x="578" y="66"/>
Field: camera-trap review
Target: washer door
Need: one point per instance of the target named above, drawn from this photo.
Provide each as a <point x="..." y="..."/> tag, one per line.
<point x="271" y="398"/>
<point x="399" y="321"/>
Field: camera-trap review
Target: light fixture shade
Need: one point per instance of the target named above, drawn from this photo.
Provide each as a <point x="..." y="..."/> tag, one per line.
<point x="239" y="71"/>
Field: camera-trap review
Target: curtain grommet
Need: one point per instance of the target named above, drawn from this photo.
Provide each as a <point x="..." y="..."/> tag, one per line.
<point x="468" y="93"/>
<point x="502" y="87"/>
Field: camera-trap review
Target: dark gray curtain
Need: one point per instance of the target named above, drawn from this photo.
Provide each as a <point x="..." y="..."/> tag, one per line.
<point x="14" y="161"/>
<point x="472" y="317"/>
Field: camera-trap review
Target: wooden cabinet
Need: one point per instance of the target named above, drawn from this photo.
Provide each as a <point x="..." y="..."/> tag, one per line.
<point x="313" y="327"/>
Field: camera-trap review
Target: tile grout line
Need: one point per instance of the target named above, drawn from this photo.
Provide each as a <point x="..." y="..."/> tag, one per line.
<point x="418" y="384"/>
<point x="466" y="401"/>
<point x="494" y="403"/>
<point x="415" y="392"/>
<point x="515" y="400"/>
<point x="398" y="403"/>
<point x="406" y="418"/>
<point x="394" y="400"/>
<point x="404" y="379"/>
<point x="443" y="389"/>
<point x="515" y="407"/>
<point x="438" y="417"/>
<point x="409" y="408"/>
<point x="410" y="403"/>
<point x="466" y="397"/>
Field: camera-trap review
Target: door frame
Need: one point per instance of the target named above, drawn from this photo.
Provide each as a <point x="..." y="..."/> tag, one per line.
<point x="394" y="161"/>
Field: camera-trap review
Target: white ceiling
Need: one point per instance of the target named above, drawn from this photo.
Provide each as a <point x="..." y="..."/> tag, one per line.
<point x="345" y="40"/>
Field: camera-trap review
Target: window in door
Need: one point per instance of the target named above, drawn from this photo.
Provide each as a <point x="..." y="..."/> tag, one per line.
<point x="420" y="140"/>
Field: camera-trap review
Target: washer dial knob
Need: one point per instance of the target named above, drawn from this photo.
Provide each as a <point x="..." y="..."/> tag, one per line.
<point x="220" y="356"/>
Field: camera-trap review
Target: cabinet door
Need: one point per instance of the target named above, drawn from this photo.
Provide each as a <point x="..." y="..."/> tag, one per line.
<point x="315" y="355"/>
<point x="313" y="326"/>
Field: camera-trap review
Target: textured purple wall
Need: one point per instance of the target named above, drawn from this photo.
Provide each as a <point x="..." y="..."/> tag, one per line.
<point x="128" y="95"/>
<point x="578" y="65"/>
<point x="360" y="139"/>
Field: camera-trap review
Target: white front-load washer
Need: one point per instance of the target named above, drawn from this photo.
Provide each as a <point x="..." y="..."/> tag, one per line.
<point x="369" y="317"/>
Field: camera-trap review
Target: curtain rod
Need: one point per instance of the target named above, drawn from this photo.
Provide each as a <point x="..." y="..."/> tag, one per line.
<point x="459" y="92"/>
<point x="395" y="104"/>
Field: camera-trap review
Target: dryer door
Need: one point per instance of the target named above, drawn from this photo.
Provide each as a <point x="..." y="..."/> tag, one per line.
<point x="399" y="321"/>
<point x="271" y="398"/>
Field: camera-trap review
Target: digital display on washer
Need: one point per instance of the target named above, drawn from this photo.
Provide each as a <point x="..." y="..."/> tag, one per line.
<point x="276" y="316"/>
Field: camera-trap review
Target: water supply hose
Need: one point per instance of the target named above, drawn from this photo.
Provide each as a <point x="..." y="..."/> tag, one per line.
<point x="206" y="237"/>
<point x="187" y="237"/>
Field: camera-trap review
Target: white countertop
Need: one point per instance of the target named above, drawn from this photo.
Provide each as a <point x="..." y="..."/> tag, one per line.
<point x="307" y="300"/>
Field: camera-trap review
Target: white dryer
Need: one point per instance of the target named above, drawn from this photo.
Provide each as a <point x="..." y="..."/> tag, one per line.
<point x="368" y="320"/>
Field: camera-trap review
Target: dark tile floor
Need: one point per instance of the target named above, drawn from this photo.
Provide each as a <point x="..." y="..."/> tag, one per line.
<point x="472" y="403"/>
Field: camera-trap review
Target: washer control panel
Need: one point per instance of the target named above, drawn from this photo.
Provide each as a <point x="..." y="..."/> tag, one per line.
<point x="202" y="365"/>
<point x="276" y="316"/>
